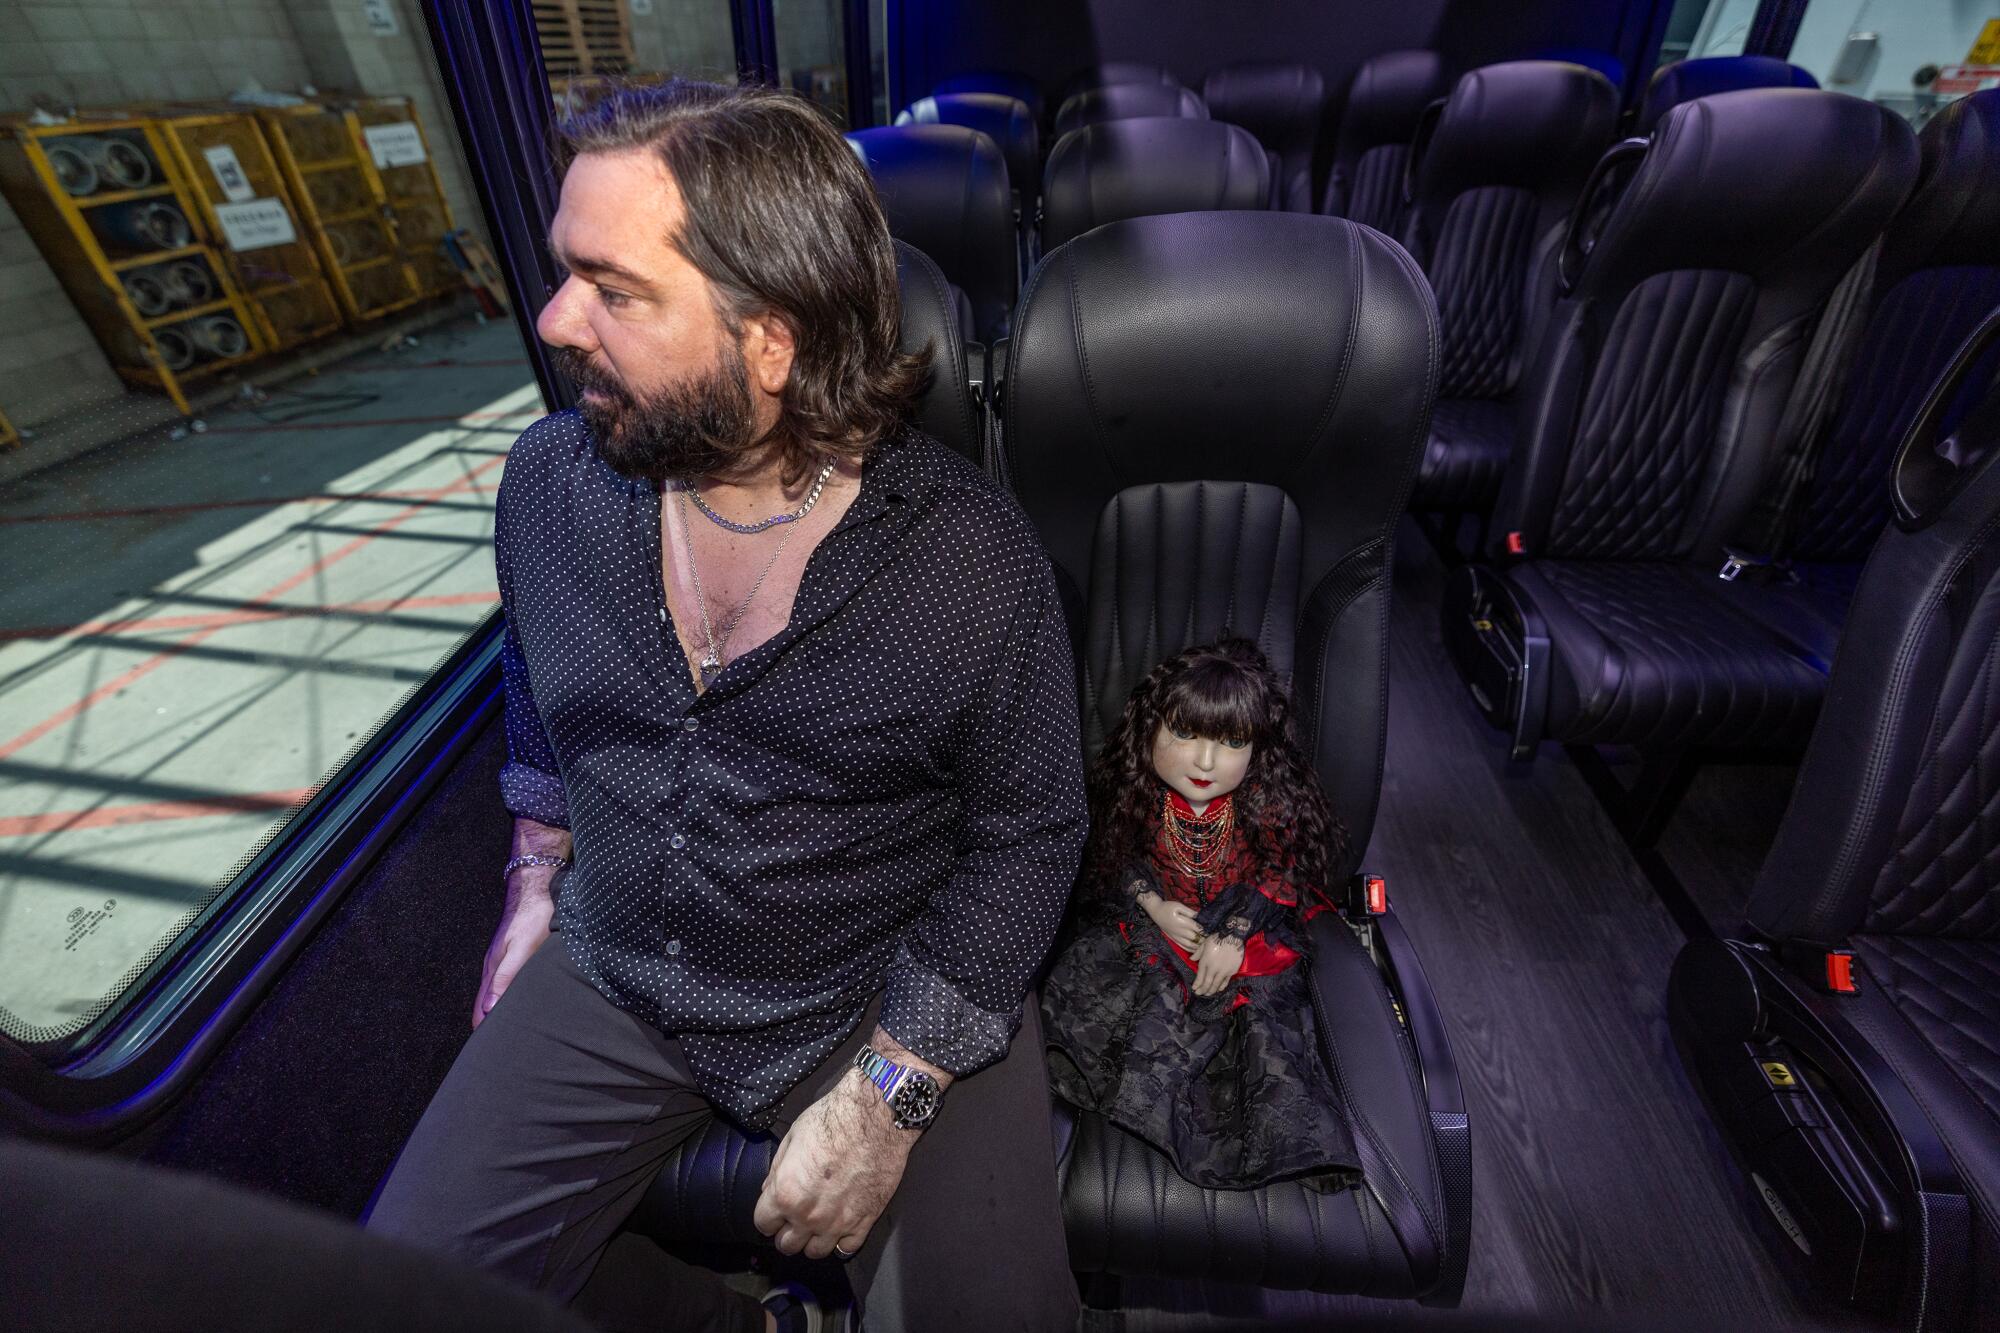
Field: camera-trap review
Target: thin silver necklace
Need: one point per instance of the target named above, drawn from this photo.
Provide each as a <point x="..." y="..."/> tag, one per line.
<point x="812" y="498"/>
<point x="712" y="660"/>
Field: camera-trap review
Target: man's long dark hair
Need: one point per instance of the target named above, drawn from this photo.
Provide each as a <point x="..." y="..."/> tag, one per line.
<point x="782" y="219"/>
<point x="1228" y="691"/>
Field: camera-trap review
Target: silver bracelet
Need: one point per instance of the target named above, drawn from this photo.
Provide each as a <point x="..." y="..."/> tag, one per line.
<point x="557" y="861"/>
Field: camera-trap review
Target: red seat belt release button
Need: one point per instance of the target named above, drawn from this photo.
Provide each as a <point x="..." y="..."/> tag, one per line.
<point x="1378" y="895"/>
<point x="1840" y="973"/>
<point x="1517" y="543"/>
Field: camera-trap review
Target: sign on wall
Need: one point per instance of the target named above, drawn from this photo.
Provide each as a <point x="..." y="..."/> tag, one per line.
<point x="381" y="17"/>
<point x="395" y="145"/>
<point x="256" y="224"/>
<point x="229" y="173"/>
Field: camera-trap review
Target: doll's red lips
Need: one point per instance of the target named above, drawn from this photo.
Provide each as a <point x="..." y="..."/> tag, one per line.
<point x="1201" y="782"/>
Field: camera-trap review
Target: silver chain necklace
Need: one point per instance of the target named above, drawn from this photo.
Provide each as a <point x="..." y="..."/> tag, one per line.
<point x="748" y="529"/>
<point x="711" y="661"/>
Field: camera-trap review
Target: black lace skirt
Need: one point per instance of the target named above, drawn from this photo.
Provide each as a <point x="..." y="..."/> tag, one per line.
<point x="1236" y="1096"/>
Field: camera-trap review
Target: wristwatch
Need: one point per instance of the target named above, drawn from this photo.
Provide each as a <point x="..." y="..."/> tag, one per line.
<point x="913" y="1095"/>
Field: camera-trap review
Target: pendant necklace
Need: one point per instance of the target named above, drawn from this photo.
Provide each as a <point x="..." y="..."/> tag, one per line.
<point x="712" y="659"/>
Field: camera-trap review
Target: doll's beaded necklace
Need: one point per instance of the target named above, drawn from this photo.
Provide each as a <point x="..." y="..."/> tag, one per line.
<point x="1198" y="846"/>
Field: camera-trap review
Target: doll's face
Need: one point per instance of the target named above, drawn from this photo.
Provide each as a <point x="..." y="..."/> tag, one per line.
<point x="1200" y="768"/>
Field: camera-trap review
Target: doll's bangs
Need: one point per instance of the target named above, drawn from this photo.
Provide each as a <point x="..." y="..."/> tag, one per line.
<point x="1217" y="700"/>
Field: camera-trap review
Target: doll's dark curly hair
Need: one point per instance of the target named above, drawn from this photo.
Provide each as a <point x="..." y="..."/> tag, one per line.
<point x="1226" y="690"/>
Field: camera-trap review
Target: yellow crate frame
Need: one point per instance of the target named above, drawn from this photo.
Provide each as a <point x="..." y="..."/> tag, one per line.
<point x="584" y="36"/>
<point x="358" y="158"/>
<point x="176" y="129"/>
<point x="9" y="437"/>
<point x="57" y="221"/>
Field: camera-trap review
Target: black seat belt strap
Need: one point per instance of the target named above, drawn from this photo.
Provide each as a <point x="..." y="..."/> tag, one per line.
<point x="1765" y="532"/>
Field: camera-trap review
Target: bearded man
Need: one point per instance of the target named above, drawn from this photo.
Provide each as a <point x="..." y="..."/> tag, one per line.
<point x="793" y="758"/>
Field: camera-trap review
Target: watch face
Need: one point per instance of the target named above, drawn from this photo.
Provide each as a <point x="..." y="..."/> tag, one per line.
<point x="916" y="1101"/>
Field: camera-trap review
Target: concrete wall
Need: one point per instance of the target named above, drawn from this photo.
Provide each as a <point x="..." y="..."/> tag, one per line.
<point x="107" y="52"/>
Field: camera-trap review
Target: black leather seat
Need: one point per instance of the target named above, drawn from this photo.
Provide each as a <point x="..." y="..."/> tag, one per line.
<point x="1290" y="539"/>
<point x="1133" y="168"/>
<point x="1650" y="418"/>
<point x="1281" y="103"/>
<point x="1494" y="188"/>
<point x="944" y="189"/>
<point x="1378" y="123"/>
<point x="949" y="409"/>
<point x="1935" y="277"/>
<point x="1007" y="84"/>
<point x="1212" y="419"/>
<point x="1127" y="101"/>
<point x="1007" y="121"/>
<point x="1685" y="80"/>
<point x="1871" y="1116"/>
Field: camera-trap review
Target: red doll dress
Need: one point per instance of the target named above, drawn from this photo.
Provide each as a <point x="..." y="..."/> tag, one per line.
<point x="1232" y="1088"/>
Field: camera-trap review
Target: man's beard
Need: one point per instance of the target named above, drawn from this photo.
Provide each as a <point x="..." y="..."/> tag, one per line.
<point x="703" y="426"/>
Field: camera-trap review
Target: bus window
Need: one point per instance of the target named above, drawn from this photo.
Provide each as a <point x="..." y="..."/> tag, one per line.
<point x="1707" y="28"/>
<point x="258" y="379"/>
<point x="583" y="42"/>
<point x="811" y="36"/>
<point x="1910" y="55"/>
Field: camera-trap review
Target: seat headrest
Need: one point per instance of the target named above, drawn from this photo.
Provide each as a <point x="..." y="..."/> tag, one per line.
<point x="1127" y="101"/>
<point x="1530" y="124"/>
<point x="1388" y="97"/>
<point x="1005" y="120"/>
<point x="1953" y="215"/>
<point x="931" y="319"/>
<point x="1114" y="72"/>
<point x="1018" y="86"/>
<point x="1610" y="66"/>
<point x="1685" y="80"/>
<point x="1768" y="182"/>
<point x="1135" y="168"/>
<point x="1282" y="348"/>
<point x="944" y="190"/>
<point x="1279" y="102"/>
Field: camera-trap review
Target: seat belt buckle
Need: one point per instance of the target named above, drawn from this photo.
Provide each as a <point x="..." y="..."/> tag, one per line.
<point x="1735" y="562"/>
<point x="1367" y="895"/>
<point x="1840" y="973"/>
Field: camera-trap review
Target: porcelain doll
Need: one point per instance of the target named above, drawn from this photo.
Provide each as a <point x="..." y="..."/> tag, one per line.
<point x="1179" y="1007"/>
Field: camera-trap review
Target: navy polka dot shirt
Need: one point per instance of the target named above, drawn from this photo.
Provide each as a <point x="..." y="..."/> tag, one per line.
<point x="887" y="796"/>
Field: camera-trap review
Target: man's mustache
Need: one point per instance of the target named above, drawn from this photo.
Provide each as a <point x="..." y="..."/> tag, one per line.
<point x="583" y="373"/>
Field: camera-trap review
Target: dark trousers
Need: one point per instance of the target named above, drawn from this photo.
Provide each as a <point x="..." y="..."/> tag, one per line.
<point x="561" y="1108"/>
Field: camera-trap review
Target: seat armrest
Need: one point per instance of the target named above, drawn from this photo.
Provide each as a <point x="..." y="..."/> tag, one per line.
<point x="1375" y="1070"/>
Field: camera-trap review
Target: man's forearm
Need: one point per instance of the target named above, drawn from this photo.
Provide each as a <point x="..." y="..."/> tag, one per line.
<point x="903" y="1055"/>
<point x="533" y="838"/>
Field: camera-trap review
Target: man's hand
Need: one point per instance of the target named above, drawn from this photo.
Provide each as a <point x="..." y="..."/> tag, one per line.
<point x="839" y="1165"/>
<point x="524" y="923"/>
<point x="1217" y="963"/>
<point x="1175" y="920"/>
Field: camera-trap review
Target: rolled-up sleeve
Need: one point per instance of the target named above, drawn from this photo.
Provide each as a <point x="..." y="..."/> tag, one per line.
<point x="955" y="989"/>
<point x="531" y="783"/>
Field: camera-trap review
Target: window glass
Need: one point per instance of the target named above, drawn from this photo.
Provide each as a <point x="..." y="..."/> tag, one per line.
<point x="1911" y="55"/>
<point x="1706" y="28"/>
<point x="259" y="383"/>
<point x="878" y="58"/>
<point x="584" y="40"/>
<point x="811" y="36"/>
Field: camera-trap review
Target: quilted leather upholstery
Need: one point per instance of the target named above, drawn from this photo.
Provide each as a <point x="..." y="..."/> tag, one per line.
<point x="1494" y="189"/>
<point x="1179" y="565"/>
<point x="1128" y="101"/>
<point x="1005" y="120"/>
<point x="1135" y="168"/>
<point x="1949" y="990"/>
<point x="1643" y="450"/>
<point x="944" y="190"/>
<point x="1685" y="80"/>
<point x="1467" y="452"/>
<point x="931" y="308"/>
<point x="1642" y="655"/>
<point x="1384" y="103"/>
<point x="1479" y="270"/>
<point x="1280" y="102"/>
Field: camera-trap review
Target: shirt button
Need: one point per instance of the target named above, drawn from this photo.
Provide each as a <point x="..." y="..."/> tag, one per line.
<point x="673" y="946"/>
<point x="689" y="725"/>
<point x="678" y="841"/>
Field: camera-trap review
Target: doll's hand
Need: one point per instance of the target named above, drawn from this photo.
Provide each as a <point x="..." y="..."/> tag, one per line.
<point x="1217" y="963"/>
<point x="1175" y="920"/>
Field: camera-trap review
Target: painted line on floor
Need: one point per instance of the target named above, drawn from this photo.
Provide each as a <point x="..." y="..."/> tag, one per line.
<point x="66" y="715"/>
<point x="196" y="507"/>
<point x="221" y="619"/>
<point x="147" y="812"/>
<point x="270" y="427"/>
